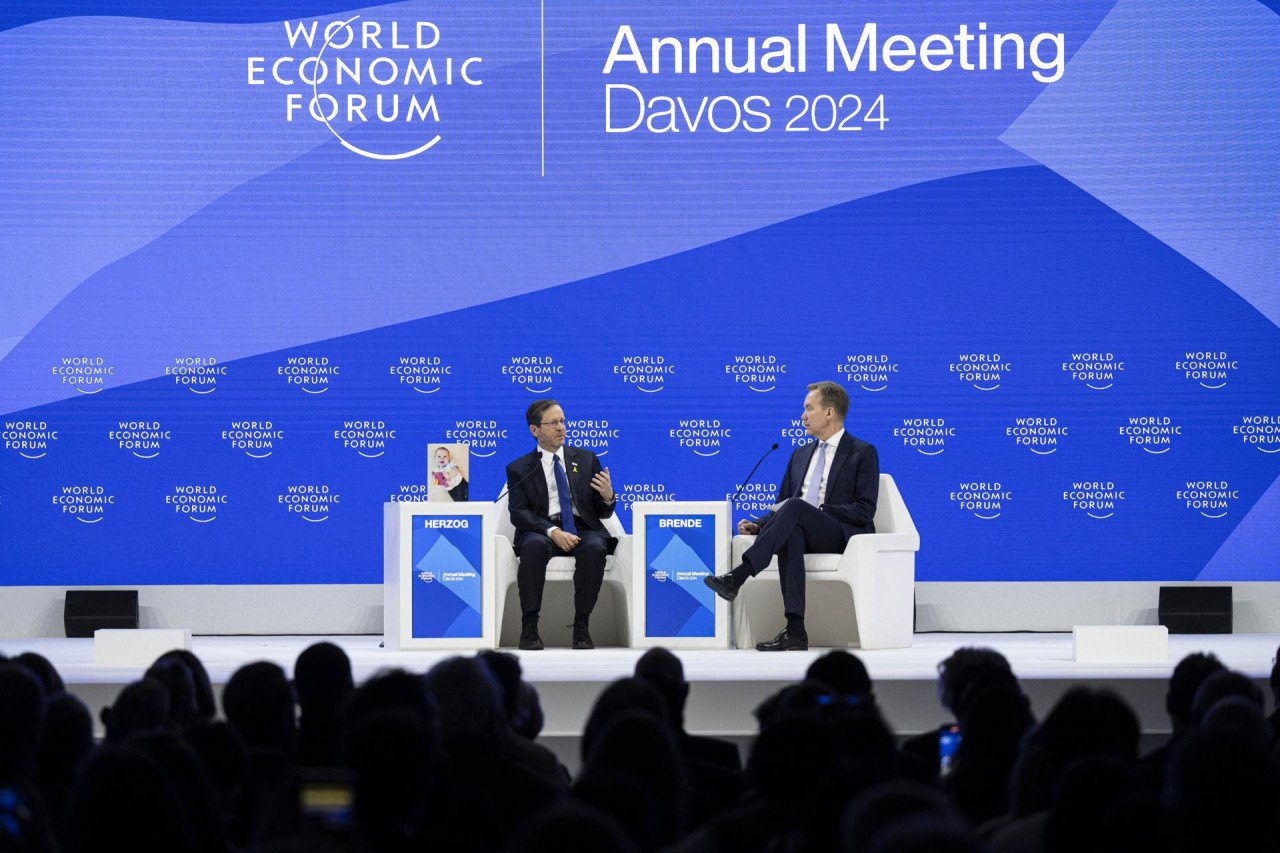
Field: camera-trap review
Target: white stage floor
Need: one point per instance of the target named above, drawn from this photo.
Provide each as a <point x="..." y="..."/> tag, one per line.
<point x="727" y="685"/>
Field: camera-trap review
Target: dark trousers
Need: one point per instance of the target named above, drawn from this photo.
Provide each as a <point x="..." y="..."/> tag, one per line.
<point x="536" y="550"/>
<point x="795" y="529"/>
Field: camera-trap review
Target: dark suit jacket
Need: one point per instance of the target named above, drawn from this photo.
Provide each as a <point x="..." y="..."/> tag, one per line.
<point x="528" y="501"/>
<point x="852" y="488"/>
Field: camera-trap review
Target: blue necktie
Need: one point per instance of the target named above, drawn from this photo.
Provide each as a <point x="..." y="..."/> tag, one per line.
<point x="566" y="505"/>
<point x="811" y="493"/>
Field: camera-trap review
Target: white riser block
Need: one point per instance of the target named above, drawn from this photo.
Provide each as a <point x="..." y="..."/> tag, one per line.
<point x="1130" y="644"/>
<point x="137" y="646"/>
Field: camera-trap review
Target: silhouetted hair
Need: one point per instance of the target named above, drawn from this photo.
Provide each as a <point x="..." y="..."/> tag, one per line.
<point x="842" y="671"/>
<point x="66" y="740"/>
<point x="805" y="699"/>
<point x="572" y="827"/>
<point x="206" y="707"/>
<point x="793" y="759"/>
<point x="885" y="806"/>
<point x="520" y="701"/>
<point x="176" y="678"/>
<point x="258" y="701"/>
<point x="1220" y="793"/>
<point x="625" y="694"/>
<point x="190" y="782"/>
<point x="536" y="409"/>
<point x="1219" y="686"/>
<point x="392" y="754"/>
<point x="636" y="751"/>
<point x="662" y="669"/>
<point x="322" y="676"/>
<point x="124" y="800"/>
<point x="1275" y="678"/>
<point x="967" y="670"/>
<point x="1187" y="677"/>
<point x="467" y="699"/>
<point x="140" y="706"/>
<point x="389" y="689"/>
<point x="1237" y="717"/>
<point x="21" y="720"/>
<point x="44" y="670"/>
<point x="833" y="396"/>
<point x="222" y="752"/>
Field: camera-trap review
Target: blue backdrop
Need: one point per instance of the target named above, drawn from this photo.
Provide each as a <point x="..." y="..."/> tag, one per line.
<point x="227" y="335"/>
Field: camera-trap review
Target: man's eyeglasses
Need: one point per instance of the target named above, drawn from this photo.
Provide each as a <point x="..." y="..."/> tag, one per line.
<point x="558" y="423"/>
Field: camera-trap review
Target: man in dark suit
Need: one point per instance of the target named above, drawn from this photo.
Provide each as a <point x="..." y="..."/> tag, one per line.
<point x="557" y="496"/>
<point x="827" y="495"/>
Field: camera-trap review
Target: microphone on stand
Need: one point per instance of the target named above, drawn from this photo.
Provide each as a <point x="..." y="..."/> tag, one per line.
<point x="753" y="470"/>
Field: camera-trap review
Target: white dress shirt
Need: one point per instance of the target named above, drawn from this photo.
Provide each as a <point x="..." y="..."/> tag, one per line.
<point x="832" y="443"/>
<point x="549" y="471"/>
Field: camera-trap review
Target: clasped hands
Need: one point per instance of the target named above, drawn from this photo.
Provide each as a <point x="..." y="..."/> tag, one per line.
<point x="604" y="487"/>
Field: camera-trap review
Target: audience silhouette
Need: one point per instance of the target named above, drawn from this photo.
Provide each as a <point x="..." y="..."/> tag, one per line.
<point x="452" y="760"/>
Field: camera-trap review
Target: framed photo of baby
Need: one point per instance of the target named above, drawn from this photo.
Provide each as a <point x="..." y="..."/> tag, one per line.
<point x="448" y="472"/>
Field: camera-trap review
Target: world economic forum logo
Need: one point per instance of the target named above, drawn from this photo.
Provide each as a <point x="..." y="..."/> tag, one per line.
<point x="1210" y="498"/>
<point x="384" y="79"/>
<point x="29" y="439"/>
<point x="983" y="370"/>
<point x="985" y="499"/>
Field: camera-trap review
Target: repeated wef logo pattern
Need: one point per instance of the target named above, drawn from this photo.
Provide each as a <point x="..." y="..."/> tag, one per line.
<point x="671" y="427"/>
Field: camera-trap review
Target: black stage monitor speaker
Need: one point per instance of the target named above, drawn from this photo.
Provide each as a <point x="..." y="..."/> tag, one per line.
<point x="87" y="610"/>
<point x="1196" y="609"/>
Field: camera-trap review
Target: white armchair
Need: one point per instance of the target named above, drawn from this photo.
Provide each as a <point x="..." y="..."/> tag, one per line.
<point x="879" y="570"/>
<point x="617" y="583"/>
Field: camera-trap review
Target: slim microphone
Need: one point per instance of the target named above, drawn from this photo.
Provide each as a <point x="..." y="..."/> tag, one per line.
<point x="535" y="469"/>
<point x="753" y="470"/>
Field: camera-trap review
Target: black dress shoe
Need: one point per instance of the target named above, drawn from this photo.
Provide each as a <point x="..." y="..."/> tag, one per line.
<point x="529" y="639"/>
<point x="581" y="636"/>
<point x="784" y="642"/>
<point x="723" y="585"/>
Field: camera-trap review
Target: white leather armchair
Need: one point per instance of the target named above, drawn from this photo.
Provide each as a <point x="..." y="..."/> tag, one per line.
<point x="617" y="577"/>
<point x="879" y="570"/>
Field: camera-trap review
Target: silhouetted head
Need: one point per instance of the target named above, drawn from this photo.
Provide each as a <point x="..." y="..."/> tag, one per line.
<point x="222" y="752"/>
<point x="21" y="720"/>
<point x="636" y="751"/>
<point x="67" y="737"/>
<point x="206" y="707"/>
<point x="391" y="689"/>
<point x="796" y="700"/>
<point x="1275" y="678"/>
<point x="886" y="806"/>
<point x="662" y="669"/>
<point x="392" y="754"/>
<point x="190" y="782"/>
<point x="520" y="701"/>
<point x="124" y="800"/>
<point x="322" y="678"/>
<point x="176" y="678"/>
<point x="140" y="706"/>
<point x="625" y="694"/>
<point x="842" y="671"/>
<point x="258" y="701"/>
<point x="467" y="700"/>
<point x="1219" y="686"/>
<point x="1085" y="722"/>
<point x="1220" y="793"/>
<point x="1187" y="677"/>
<point x="1085" y="793"/>
<point x="1236" y="716"/>
<point x="44" y="670"/>
<point x="794" y="759"/>
<point x="572" y="827"/>
<point x="967" y="671"/>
